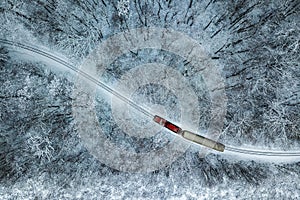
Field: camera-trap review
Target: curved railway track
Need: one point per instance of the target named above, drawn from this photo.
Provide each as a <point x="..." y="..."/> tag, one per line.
<point x="294" y="155"/>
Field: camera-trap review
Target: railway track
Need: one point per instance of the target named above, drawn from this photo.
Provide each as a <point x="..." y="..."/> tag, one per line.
<point x="290" y="156"/>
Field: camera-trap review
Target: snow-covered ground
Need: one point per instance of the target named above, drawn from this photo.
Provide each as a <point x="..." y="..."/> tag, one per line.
<point x="227" y="70"/>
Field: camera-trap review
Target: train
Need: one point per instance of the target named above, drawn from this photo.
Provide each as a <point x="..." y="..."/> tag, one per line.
<point x="190" y="136"/>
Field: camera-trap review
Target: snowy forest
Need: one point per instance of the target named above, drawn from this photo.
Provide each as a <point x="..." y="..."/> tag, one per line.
<point x="250" y="69"/>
